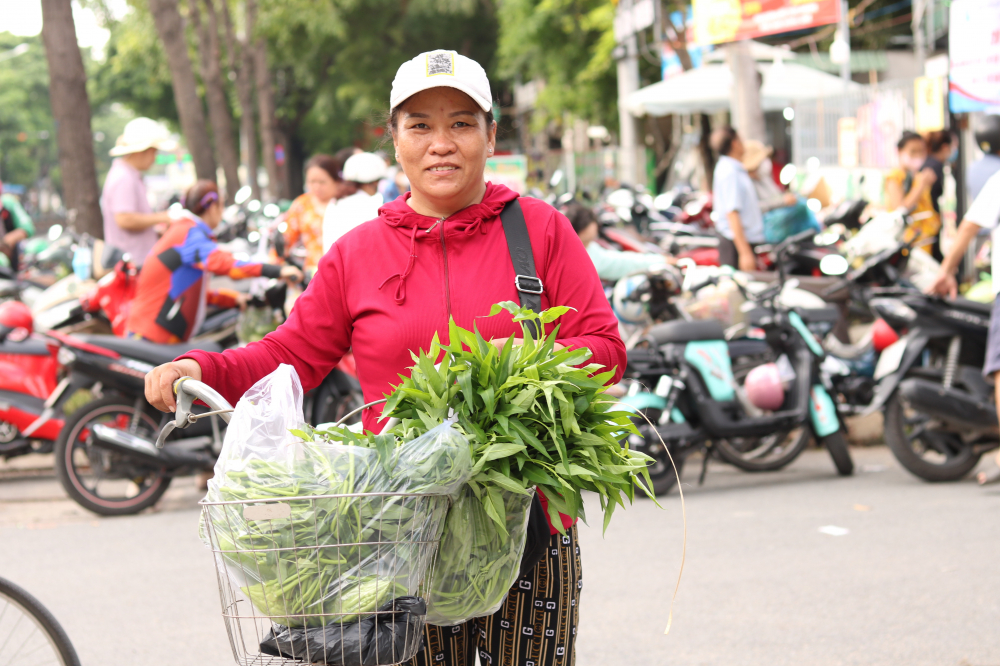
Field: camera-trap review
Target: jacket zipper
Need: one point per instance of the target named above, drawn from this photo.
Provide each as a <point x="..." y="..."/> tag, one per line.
<point x="444" y="253"/>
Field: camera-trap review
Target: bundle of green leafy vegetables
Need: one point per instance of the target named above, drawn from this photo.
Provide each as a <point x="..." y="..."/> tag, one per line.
<point x="336" y="559"/>
<point x="535" y="417"/>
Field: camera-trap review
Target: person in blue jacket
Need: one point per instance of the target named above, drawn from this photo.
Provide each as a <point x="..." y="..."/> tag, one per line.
<point x="611" y="264"/>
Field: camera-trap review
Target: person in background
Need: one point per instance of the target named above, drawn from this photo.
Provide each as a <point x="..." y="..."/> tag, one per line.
<point x="988" y="139"/>
<point x="17" y="226"/>
<point x="984" y="213"/>
<point x="942" y="148"/>
<point x="324" y="185"/>
<point x="363" y="171"/>
<point x="394" y="185"/>
<point x="129" y="221"/>
<point x="909" y="185"/>
<point x="784" y="214"/>
<point x="736" y="211"/>
<point x="172" y="292"/>
<point x="611" y="265"/>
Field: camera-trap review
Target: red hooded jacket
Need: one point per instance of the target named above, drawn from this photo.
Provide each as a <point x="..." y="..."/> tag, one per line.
<point x="387" y="286"/>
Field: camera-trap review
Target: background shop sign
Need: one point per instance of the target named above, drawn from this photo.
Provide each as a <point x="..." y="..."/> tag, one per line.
<point x="974" y="50"/>
<point x="718" y="21"/>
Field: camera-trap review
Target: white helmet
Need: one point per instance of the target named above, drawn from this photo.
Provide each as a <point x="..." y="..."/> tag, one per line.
<point x="365" y="168"/>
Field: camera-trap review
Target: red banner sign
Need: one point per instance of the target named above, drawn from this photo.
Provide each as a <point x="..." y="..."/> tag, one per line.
<point x="718" y="21"/>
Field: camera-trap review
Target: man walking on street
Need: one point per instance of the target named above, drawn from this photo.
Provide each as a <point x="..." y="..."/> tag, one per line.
<point x="735" y="209"/>
<point x="984" y="213"/>
<point x="129" y="221"/>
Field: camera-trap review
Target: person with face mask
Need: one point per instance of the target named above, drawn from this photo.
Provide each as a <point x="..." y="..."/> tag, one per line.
<point x="909" y="187"/>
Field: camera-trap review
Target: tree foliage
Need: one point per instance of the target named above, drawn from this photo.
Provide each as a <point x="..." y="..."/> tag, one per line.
<point x="567" y="44"/>
<point x="27" y="134"/>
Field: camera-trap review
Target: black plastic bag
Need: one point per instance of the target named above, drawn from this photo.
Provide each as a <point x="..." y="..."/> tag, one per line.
<point x="394" y="635"/>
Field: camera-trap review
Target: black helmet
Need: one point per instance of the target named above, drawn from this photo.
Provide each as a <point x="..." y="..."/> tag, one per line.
<point x="988" y="134"/>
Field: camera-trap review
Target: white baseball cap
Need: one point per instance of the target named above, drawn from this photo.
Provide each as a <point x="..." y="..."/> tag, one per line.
<point x="365" y="168"/>
<point x="441" y="68"/>
<point x="141" y="134"/>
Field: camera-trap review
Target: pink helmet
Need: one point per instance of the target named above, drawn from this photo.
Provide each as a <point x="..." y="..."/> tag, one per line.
<point x="763" y="387"/>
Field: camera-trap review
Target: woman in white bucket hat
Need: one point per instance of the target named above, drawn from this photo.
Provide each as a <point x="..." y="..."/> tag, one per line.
<point x="129" y="221"/>
<point x="387" y="286"/>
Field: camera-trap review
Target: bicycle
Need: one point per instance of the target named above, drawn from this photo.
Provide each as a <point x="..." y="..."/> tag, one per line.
<point x="337" y="578"/>
<point x="29" y="634"/>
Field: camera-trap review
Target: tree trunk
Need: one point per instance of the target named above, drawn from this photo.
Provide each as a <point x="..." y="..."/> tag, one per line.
<point x="241" y="64"/>
<point x="170" y="27"/>
<point x="707" y="159"/>
<point x="215" y="92"/>
<point x="71" y="111"/>
<point x="266" y="108"/>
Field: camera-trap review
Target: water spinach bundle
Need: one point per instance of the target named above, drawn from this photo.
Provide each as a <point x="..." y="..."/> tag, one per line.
<point x="535" y="416"/>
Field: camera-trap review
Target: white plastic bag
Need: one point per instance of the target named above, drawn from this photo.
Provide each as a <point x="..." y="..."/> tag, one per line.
<point x="302" y="557"/>
<point x="477" y="563"/>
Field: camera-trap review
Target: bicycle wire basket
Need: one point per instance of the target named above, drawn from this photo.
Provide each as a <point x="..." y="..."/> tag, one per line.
<point x="332" y="579"/>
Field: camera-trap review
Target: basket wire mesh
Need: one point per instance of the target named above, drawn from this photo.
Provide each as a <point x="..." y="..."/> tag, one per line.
<point x="327" y="567"/>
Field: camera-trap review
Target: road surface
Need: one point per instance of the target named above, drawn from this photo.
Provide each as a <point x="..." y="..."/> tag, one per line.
<point x="904" y="572"/>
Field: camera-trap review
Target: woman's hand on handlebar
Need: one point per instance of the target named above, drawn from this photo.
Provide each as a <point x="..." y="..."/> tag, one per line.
<point x="291" y="274"/>
<point x="160" y="382"/>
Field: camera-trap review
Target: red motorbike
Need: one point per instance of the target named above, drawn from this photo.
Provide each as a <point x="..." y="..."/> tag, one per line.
<point x="33" y="386"/>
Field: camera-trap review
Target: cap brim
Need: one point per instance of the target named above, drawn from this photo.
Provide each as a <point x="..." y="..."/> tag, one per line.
<point x="484" y="104"/>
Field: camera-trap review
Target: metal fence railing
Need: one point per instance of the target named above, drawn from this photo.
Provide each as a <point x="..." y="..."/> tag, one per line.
<point x="881" y="112"/>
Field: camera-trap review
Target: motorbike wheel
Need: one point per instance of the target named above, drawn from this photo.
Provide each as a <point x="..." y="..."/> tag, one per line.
<point x="764" y="454"/>
<point x="661" y="472"/>
<point x="102" y="481"/>
<point x="836" y="444"/>
<point x="932" y="455"/>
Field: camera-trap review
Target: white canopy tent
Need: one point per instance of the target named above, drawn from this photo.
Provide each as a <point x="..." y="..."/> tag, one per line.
<point x="709" y="88"/>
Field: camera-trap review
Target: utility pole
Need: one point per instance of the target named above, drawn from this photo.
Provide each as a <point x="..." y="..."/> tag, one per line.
<point x="916" y="24"/>
<point x="628" y="83"/>
<point x="845" y="64"/>
<point x="746" y="110"/>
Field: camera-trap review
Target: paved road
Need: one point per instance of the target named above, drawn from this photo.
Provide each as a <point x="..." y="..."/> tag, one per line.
<point x="916" y="580"/>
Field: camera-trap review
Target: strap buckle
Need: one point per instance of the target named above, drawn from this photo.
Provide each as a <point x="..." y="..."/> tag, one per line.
<point x="533" y="286"/>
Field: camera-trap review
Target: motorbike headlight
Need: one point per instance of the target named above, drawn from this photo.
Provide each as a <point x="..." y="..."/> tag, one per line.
<point x="65" y="356"/>
<point x="894" y="309"/>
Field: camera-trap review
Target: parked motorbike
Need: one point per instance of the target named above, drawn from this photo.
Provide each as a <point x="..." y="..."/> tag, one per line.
<point x="697" y="404"/>
<point x="940" y="414"/>
<point x="106" y="456"/>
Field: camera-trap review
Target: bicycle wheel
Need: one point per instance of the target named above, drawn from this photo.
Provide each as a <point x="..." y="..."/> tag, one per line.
<point x="102" y="481"/>
<point x="28" y="632"/>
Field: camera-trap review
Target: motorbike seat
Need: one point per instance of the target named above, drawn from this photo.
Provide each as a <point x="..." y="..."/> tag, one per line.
<point x="973" y="306"/>
<point x="687" y="331"/>
<point x="145" y="350"/>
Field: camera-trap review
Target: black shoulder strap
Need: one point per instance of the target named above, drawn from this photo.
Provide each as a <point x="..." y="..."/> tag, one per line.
<point x="529" y="287"/>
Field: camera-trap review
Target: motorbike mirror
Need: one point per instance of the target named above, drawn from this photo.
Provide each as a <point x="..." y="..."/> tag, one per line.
<point x="242" y="194"/>
<point x="55" y="231"/>
<point x="833" y="264"/>
<point x="557" y="177"/>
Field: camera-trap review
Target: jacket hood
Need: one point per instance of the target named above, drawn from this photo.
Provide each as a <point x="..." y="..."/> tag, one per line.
<point x="469" y="220"/>
<point x="398" y="213"/>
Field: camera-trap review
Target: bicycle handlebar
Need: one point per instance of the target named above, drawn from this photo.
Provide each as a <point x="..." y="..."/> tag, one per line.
<point x="188" y="390"/>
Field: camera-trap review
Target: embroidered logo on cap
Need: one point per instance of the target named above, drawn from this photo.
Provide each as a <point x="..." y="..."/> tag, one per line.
<point x="441" y="62"/>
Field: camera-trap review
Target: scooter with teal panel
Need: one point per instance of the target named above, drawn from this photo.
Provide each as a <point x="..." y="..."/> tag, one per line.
<point x="683" y="383"/>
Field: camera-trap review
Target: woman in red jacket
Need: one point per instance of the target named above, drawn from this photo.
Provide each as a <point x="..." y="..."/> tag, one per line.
<point x="387" y="286"/>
